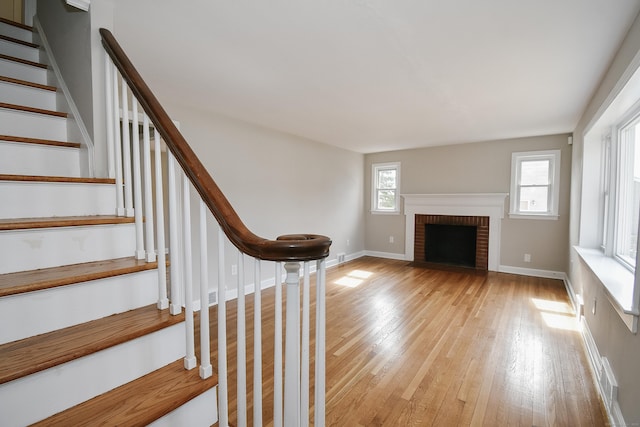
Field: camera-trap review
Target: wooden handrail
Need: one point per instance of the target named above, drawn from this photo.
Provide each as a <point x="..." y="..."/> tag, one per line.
<point x="298" y="247"/>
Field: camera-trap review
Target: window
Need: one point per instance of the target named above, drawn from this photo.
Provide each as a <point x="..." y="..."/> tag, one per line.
<point x="535" y="184"/>
<point x="385" y="195"/>
<point x="621" y="234"/>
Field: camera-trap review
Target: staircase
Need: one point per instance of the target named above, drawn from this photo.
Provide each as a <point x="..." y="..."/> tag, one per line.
<point x="82" y="341"/>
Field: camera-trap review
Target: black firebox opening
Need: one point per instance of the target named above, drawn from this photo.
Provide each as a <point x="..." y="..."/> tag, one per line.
<point x="450" y="244"/>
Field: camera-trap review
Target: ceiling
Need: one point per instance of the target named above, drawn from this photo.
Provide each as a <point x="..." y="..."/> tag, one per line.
<point x="372" y="75"/>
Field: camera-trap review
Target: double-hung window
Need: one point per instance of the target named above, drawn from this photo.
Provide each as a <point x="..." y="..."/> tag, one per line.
<point x="535" y="184"/>
<point x="621" y="234"/>
<point x="385" y="194"/>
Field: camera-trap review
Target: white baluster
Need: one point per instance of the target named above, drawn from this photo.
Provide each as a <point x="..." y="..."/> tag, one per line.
<point x="126" y="152"/>
<point x="117" y="145"/>
<point x="174" y="244"/>
<point x="277" y="356"/>
<point x="148" y="193"/>
<point x="292" y="346"/>
<point x="241" y="347"/>
<point x="223" y="406"/>
<point x="108" y="73"/>
<point x="137" y="183"/>
<point x="206" y="370"/>
<point x="257" y="345"/>
<point x="319" y="403"/>
<point x="304" y="364"/>
<point x="190" y="358"/>
<point x="163" y="301"/>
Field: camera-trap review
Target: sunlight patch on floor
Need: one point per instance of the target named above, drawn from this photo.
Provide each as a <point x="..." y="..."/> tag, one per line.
<point x="556" y="314"/>
<point x="354" y="278"/>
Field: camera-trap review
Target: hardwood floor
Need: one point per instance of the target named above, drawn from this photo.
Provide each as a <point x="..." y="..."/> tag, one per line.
<point x="410" y="346"/>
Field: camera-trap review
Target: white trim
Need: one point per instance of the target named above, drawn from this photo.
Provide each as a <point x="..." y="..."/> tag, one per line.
<point x="460" y="204"/>
<point x="575" y="299"/>
<point x="549" y="274"/>
<point x="387" y="255"/>
<point x="88" y="142"/>
<point x="80" y="4"/>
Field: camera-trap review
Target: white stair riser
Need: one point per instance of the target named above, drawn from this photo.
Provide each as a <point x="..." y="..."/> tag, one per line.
<point x="56" y="308"/>
<point x="38" y="396"/>
<point x="47" y="199"/>
<point x="32" y="125"/>
<point x="28" y="96"/>
<point x="20" y="71"/>
<point x="19" y="51"/>
<point x="22" y="250"/>
<point x="16" y="33"/>
<point x="37" y="159"/>
<point x="201" y="411"/>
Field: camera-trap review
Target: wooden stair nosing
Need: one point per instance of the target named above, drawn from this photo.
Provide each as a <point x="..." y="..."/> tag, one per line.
<point x="47" y="278"/>
<point x="33" y="110"/>
<point x="139" y="402"/>
<point x="23" y="61"/>
<point x="24" y="357"/>
<point x="18" y="41"/>
<point x="27" y="83"/>
<point x="61" y="179"/>
<point x="16" y="24"/>
<point x="68" y="221"/>
<point x="24" y="140"/>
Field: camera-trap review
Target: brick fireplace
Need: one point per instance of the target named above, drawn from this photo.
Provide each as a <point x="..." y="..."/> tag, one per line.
<point x="474" y="209"/>
<point x="479" y="225"/>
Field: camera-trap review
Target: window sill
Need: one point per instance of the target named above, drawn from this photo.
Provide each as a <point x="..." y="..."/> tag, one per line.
<point x="515" y="215"/>
<point x="617" y="281"/>
<point x="385" y="212"/>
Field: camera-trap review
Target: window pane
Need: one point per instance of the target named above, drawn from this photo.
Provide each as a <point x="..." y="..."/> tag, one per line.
<point x="534" y="172"/>
<point x="534" y="199"/>
<point x="387" y="178"/>
<point x="386" y="199"/>
<point x="630" y="207"/>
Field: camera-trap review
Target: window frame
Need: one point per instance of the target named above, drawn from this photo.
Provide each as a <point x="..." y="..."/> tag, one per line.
<point x="517" y="158"/>
<point x="615" y="189"/>
<point x="375" y="169"/>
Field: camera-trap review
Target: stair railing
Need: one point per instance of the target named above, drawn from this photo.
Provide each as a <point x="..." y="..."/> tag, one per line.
<point x="138" y="186"/>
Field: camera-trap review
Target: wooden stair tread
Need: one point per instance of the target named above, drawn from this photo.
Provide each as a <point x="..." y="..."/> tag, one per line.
<point x="33" y="110"/>
<point x="34" y="354"/>
<point x="16" y="24"/>
<point x="62" y="221"/>
<point x="10" y="138"/>
<point x="27" y="83"/>
<point x="44" y="178"/>
<point x="18" y="41"/>
<point x="23" y="61"/>
<point x="139" y="402"/>
<point x="46" y="278"/>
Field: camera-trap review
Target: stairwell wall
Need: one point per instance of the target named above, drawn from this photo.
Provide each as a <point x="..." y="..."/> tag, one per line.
<point x="277" y="183"/>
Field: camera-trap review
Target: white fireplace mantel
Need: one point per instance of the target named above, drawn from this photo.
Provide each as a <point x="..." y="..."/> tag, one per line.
<point x="460" y="204"/>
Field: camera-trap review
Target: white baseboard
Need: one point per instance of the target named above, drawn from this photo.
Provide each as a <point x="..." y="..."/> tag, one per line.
<point x="388" y="255"/>
<point x="549" y="274"/>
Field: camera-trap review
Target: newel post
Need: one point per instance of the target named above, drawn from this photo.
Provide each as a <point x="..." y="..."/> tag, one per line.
<point x="292" y="347"/>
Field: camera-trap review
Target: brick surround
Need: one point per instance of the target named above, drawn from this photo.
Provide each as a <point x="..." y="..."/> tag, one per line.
<point x="482" y="236"/>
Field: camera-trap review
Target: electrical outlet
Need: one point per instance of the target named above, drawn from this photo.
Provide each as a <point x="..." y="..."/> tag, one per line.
<point x="234" y="270"/>
<point x="527" y="257"/>
<point x="391" y="239"/>
<point x="593" y="309"/>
